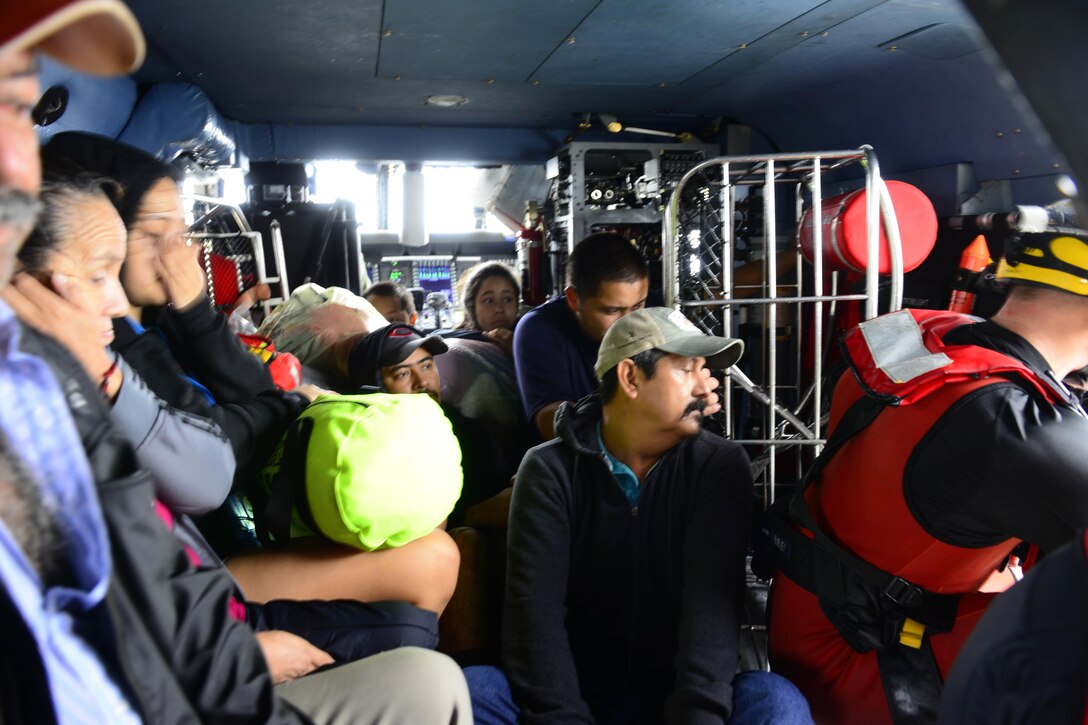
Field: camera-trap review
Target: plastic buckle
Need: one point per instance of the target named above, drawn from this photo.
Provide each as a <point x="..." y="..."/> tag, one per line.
<point x="903" y="593"/>
<point x="912" y="633"/>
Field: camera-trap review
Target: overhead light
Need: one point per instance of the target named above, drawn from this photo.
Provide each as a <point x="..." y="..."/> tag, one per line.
<point x="445" y="101"/>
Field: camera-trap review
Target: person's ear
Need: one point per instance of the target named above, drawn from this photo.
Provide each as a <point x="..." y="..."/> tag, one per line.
<point x="627" y="376"/>
<point x="572" y="298"/>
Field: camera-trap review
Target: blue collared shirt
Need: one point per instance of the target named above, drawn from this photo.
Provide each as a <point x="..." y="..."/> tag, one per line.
<point x="624" y="476"/>
<point x="35" y="419"/>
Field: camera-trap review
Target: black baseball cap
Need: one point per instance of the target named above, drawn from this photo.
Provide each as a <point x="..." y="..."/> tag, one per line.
<point x="387" y="346"/>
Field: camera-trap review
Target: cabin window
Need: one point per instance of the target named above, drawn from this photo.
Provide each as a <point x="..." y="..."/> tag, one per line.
<point x="358" y="184"/>
<point x="456" y="197"/>
<point x="232" y="185"/>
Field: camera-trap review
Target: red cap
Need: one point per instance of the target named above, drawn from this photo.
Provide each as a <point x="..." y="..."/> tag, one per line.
<point x="94" y="36"/>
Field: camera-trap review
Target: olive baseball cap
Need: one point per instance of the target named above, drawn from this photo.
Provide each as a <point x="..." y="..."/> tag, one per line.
<point x="100" y="37"/>
<point x="667" y="330"/>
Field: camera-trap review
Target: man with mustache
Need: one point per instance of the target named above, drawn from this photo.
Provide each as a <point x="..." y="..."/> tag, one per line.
<point x="627" y="543"/>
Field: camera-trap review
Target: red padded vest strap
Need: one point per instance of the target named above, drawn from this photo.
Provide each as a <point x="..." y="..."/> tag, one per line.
<point x="900" y="357"/>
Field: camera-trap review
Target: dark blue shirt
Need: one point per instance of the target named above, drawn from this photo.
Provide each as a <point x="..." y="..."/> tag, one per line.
<point x="553" y="357"/>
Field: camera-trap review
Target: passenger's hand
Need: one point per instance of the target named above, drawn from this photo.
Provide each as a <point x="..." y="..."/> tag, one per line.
<point x="503" y="338"/>
<point x="713" y="402"/>
<point x="49" y="313"/>
<point x="253" y="295"/>
<point x="290" y="656"/>
<point x="311" y="391"/>
<point x="178" y="267"/>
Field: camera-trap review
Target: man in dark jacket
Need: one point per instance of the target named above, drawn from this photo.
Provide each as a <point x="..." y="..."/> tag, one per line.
<point x="627" y="545"/>
<point x="1027" y="660"/>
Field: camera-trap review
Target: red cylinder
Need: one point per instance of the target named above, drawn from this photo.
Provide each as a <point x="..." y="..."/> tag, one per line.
<point x="844" y="229"/>
<point x="532" y="282"/>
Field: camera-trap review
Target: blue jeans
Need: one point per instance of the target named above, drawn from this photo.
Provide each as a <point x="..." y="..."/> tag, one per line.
<point x="759" y="698"/>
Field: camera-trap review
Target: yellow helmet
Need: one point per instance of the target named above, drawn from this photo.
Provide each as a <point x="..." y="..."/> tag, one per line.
<point x="1054" y="259"/>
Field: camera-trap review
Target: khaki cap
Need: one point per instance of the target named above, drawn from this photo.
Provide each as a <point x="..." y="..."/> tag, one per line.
<point x="667" y="330"/>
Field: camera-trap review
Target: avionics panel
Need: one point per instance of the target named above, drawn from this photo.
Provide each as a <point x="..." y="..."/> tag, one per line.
<point x="396" y="269"/>
<point x="431" y="273"/>
<point x="436" y="274"/>
<point x="374" y="271"/>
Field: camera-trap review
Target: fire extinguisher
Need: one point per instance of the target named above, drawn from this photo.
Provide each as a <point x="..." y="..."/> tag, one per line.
<point x="530" y="247"/>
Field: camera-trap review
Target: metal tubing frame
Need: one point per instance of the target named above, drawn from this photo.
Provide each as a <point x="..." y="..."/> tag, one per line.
<point x="806" y="170"/>
<point x="729" y="204"/>
<point x="276" y="233"/>
<point x="220" y="206"/>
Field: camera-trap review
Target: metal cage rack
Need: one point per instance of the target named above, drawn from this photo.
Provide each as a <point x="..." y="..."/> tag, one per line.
<point x="221" y="228"/>
<point x="720" y="214"/>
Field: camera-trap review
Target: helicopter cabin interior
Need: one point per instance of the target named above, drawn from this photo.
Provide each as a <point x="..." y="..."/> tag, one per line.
<point x="408" y="140"/>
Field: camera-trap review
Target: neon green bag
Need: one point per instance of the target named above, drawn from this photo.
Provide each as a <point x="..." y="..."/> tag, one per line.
<point x="371" y="471"/>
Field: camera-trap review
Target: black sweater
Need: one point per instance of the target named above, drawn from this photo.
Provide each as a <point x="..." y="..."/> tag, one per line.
<point x="640" y="602"/>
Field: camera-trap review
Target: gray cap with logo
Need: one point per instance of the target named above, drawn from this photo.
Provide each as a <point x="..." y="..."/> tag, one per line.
<point x="667" y="330"/>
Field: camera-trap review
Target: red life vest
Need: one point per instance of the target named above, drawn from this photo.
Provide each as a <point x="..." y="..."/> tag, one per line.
<point x="859" y="501"/>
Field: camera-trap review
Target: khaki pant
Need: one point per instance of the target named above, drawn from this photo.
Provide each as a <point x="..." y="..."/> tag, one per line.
<point x="408" y="685"/>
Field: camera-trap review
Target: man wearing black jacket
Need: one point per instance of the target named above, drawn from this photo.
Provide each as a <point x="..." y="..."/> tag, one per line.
<point x="627" y="545"/>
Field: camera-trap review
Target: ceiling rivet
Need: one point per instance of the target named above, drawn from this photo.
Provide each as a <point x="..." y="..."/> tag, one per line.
<point x="571" y="40"/>
<point x="396" y="77"/>
<point x="1016" y="130"/>
<point x="387" y="33"/>
<point x="536" y="83"/>
<point x="490" y="81"/>
<point x="1000" y="134"/>
<point x="742" y="46"/>
<point x="893" y="48"/>
<point x="1016" y="171"/>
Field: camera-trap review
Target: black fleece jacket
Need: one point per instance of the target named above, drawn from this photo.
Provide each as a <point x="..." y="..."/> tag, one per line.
<point x="251" y="412"/>
<point x="608" y="604"/>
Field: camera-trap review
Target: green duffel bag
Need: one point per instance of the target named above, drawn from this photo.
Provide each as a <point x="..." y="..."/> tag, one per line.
<point x="371" y="471"/>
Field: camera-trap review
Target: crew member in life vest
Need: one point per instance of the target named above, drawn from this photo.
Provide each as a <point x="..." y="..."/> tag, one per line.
<point x="952" y="441"/>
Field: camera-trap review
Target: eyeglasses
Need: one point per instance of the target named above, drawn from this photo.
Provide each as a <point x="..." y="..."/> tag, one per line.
<point x="158" y="239"/>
